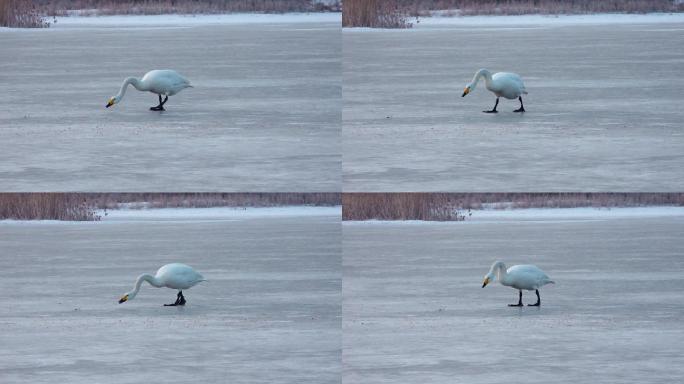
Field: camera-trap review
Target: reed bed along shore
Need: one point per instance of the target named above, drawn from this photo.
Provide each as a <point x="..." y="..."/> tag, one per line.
<point x="21" y="14"/>
<point x="157" y="7"/>
<point x="38" y="13"/>
<point x="374" y="14"/>
<point x="454" y="206"/>
<point x="526" y="7"/>
<point x="85" y="206"/>
<point x="399" y="13"/>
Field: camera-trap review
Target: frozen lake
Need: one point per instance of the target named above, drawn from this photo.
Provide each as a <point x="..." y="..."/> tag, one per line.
<point x="270" y="312"/>
<point x="264" y="115"/>
<point x="414" y="310"/>
<point x="603" y="110"/>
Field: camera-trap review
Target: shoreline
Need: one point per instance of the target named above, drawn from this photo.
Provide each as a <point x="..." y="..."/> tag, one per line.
<point x="544" y="214"/>
<point x="433" y="22"/>
<point x="184" y="20"/>
<point x="190" y="214"/>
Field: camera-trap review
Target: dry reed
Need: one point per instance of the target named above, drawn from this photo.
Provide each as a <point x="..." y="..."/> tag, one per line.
<point x="207" y="200"/>
<point x="21" y="14"/>
<point x="46" y="206"/>
<point x="84" y="206"/>
<point x="452" y="206"/>
<point x="519" y="7"/>
<point x="373" y="14"/>
<point x="399" y="206"/>
<point x="156" y="7"/>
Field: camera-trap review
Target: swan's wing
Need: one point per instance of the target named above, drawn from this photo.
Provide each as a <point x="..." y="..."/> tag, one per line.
<point x="178" y="276"/>
<point x="509" y="83"/>
<point x="175" y="85"/>
<point x="174" y="77"/>
<point x="165" y="81"/>
<point x="527" y="269"/>
<point x="527" y="276"/>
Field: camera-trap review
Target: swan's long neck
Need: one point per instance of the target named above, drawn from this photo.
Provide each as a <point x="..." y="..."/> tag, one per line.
<point x="137" y="84"/>
<point x="144" y="277"/>
<point x="482" y="73"/>
<point x="500" y="270"/>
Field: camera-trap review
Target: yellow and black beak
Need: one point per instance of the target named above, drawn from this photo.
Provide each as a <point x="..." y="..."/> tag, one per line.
<point x="109" y="103"/>
<point x="123" y="299"/>
<point x="465" y="91"/>
<point x="486" y="281"/>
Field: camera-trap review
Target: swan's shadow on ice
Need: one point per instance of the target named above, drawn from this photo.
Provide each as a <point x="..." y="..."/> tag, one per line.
<point x="524" y="311"/>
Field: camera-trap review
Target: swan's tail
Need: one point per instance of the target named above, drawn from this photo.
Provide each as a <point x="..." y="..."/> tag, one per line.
<point x="551" y="282"/>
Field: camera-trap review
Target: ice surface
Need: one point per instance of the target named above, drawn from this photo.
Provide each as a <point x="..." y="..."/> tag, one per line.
<point x="551" y="20"/>
<point x="220" y="213"/>
<point x="414" y="310"/>
<point x="603" y="109"/>
<point x="558" y="214"/>
<point x="193" y="20"/>
<point x="193" y="214"/>
<point x="264" y="114"/>
<point x="269" y="312"/>
<point x="576" y="213"/>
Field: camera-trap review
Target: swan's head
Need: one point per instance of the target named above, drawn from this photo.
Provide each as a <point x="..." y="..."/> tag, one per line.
<point x="490" y="277"/>
<point x="127" y="297"/>
<point x="471" y="87"/>
<point x="493" y="272"/>
<point x="112" y="100"/>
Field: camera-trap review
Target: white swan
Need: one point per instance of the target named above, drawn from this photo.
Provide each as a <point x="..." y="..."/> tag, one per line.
<point x="175" y="276"/>
<point x="160" y="81"/>
<point x="506" y="84"/>
<point x="527" y="277"/>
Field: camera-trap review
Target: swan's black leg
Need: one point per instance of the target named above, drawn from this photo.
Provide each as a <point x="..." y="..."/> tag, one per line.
<point x="538" y="303"/>
<point x="521" y="109"/>
<point x="519" y="301"/>
<point x="163" y="102"/>
<point x="179" y="299"/>
<point x="159" y="107"/>
<point x="493" y="109"/>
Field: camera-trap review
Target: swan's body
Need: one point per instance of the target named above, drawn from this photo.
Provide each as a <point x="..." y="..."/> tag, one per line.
<point x="160" y="81"/>
<point x="175" y="276"/>
<point x="502" y="84"/>
<point x="527" y="277"/>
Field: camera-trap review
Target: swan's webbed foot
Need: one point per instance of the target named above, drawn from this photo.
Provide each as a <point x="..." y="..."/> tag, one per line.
<point x="493" y="109"/>
<point x="521" y="109"/>
<point x="520" y="304"/>
<point x="538" y="303"/>
<point x="180" y="300"/>
<point x="160" y="107"/>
